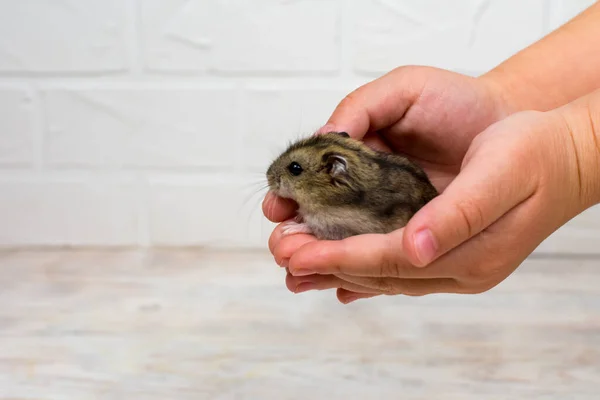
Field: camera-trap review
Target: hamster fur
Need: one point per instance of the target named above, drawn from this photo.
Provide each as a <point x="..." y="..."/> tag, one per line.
<point x="345" y="188"/>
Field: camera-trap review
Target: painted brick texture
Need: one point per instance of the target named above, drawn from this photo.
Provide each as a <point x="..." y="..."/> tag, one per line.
<point x="240" y="36"/>
<point x="72" y="37"/>
<point x="139" y="127"/>
<point x="17" y="127"/>
<point x="151" y="122"/>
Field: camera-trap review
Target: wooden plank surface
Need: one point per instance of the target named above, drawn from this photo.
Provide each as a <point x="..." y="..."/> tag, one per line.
<point x="185" y="324"/>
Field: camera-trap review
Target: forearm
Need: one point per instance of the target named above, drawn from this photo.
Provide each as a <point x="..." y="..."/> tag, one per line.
<point x="556" y="70"/>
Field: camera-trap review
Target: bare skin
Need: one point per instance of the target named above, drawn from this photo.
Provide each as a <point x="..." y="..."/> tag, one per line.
<point x="509" y="178"/>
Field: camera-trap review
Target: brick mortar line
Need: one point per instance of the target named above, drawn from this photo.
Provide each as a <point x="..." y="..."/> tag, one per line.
<point x="299" y="82"/>
<point x="39" y="124"/>
<point x="134" y="45"/>
<point x="535" y="256"/>
<point x="354" y="77"/>
<point x="25" y="176"/>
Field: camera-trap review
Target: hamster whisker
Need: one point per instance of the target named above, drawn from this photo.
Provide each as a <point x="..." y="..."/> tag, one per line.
<point x="254" y="183"/>
<point x="254" y="197"/>
<point x="255" y="192"/>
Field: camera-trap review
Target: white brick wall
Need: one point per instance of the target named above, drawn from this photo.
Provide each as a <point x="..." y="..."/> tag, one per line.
<point x="140" y="127"/>
<point x="150" y="122"/>
<point x="17" y="127"/>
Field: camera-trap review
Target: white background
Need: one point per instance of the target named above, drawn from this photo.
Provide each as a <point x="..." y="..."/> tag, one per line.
<point x="147" y="122"/>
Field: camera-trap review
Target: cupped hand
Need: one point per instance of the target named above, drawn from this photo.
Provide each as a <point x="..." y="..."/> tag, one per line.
<point x="428" y="114"/>
<point x="519" y="181"/>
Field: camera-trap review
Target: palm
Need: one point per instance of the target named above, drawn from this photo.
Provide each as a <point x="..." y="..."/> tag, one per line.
<point x="441" y="171"/>
<point x="438" y="128"/>
<point x="428" y="114"/>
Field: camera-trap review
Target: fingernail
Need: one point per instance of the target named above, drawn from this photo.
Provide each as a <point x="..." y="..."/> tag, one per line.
<point x="285" y="263"/>
<point x="304" y="286"/>
<point x="326" y="129"/>
<point x="350" y="299"/>
<point x="425" y="246"/>
<point x="301" y="272"/>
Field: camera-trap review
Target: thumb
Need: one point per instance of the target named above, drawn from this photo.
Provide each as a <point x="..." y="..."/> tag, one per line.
<point x="488" y="186"/>
<point x="377" y="104"/>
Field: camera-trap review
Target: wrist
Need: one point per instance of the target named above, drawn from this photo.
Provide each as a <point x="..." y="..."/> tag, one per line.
<point x="500" y="90"/>
<point x="582" y="127"/>
<point x="513" y="92"/>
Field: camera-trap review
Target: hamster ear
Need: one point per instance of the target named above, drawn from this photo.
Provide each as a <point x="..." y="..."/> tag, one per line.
<point x="336" y="165"/>
<point x="343" y="134"/>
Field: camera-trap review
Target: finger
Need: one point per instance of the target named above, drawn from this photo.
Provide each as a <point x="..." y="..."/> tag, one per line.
<point x="409" y="287"/>
<point x="414" y="287"/>
<point x="323" y="282"/>
<point x="278" y="209"/>
<point x="478" y="264"/>
<point x="389" y="286"/>
<point x="491" y="184"/>
<point x="376" y="105"/>
<point x="346" y="296"/>
<point x="490" y="257"/>
<point x="282" y="247"/>
<point x="374" y="141"/>
<point x="372" y="255"/>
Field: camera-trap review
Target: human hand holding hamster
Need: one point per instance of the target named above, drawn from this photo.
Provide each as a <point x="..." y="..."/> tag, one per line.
<point x="501" y="194"/>
<point x="428" y="114"/>
<point x="519" y="180"/>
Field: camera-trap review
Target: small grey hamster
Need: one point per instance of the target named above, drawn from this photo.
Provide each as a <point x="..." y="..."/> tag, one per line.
<point x="345" y="188"/>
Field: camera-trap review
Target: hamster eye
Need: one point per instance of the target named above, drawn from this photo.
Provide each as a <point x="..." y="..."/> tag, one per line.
<point x="295" y="168"/>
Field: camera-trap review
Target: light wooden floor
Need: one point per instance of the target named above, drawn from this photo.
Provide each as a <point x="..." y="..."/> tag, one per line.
<point x="197" y="325"/>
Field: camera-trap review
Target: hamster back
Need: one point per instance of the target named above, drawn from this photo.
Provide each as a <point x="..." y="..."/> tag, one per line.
<point x="345" y="188"/>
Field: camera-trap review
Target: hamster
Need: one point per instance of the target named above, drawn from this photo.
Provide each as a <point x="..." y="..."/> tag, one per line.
<point x="345" y="188"/>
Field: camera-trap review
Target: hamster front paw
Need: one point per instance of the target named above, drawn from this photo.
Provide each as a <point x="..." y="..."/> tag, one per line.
<point x="293" y="227"/>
